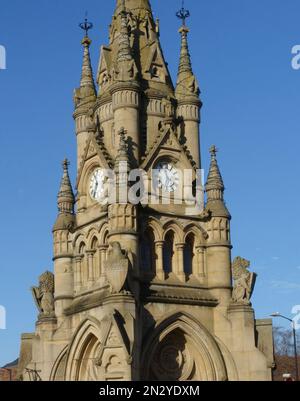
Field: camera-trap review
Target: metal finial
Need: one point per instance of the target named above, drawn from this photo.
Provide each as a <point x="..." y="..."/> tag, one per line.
<point x="66" y="164"/>
<point x="183" y="14"/>
<point x="86" y="25"/>
<point x="213" y="151"/>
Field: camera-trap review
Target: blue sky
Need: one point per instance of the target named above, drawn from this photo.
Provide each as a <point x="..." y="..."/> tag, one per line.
<point x="241" y="53"/>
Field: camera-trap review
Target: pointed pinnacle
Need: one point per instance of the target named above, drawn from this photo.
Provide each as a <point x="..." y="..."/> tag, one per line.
<point x="66" y="199"/>
<point x="185" y="64"/>
<point x="87" y="79"/>
<point x="214" y="186"/>
<point x="124" y="52"/>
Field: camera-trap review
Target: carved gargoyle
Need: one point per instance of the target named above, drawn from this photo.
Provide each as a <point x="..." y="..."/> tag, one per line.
<point x="117" y="268"/>
<point x="43" y="295"/>
<point x="244" y="281"/>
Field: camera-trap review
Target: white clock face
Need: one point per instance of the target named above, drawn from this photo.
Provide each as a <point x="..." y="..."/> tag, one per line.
<point x="167" y="177"/>
<point x="97" y="188"/>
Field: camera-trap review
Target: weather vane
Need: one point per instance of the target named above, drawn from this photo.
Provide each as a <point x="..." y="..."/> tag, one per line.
<point x="86" y="25"/>
<point x="183" y="14"/>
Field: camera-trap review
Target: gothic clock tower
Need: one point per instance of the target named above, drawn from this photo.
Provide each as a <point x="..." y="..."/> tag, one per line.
<point x="143" y="290"/>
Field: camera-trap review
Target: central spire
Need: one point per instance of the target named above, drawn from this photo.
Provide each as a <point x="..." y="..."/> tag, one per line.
<point x="133" y="4"/>
<point x="124" y="53"/>
<point x="134" y="39"/>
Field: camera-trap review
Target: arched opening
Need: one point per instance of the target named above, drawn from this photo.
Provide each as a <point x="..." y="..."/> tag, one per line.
<point x="96" y="258"/>
<point x="83" y="263"/>
<point x="180" y="348"/>
<point x="86" y="368"/>
<point x="189" y="255"/>
<point x="168" y="253"/>
<point x="147" y="254"/>
<point x="83" y="352"/>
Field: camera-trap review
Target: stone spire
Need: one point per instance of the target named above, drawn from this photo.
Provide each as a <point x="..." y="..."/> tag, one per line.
<point x="65" y="201"/>
<point x="186" y="81"/>
<point x="125" y="68"/>
<point x="185" y="64"/>
<point x="134" y="4"/>
<point x="86" y="93"/>
<point x="134" y="51"/>
<point x="215" y="188"/>
<point x="124" y="52"/>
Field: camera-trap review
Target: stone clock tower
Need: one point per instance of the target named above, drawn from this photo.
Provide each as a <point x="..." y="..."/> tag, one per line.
<point x="143" y="290"/>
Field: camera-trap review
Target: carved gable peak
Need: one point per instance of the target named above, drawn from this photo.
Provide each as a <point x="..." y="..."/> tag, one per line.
<point x="94" y="147"/>
<point x="167" y="142"/>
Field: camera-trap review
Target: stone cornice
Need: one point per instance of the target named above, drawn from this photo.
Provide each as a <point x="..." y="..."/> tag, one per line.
<point x="62" y="256"/>
<point x="122" y="86"/>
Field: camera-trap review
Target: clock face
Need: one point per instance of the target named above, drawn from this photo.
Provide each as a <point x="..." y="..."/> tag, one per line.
<point x="97" y="181"/>
<point x="167" y="177"/>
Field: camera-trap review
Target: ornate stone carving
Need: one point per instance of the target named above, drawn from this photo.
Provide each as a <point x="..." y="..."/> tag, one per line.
<point x="173" y="359"/>
<point x="117" y="268"/>
<point x="244" y="281"/>
<point x="43" y="295"/>
<point x="169" y="108"/>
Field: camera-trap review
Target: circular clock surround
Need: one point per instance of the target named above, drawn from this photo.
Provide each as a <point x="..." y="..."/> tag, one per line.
<point x="166" y="176"/>
<point x="96" y="185"/>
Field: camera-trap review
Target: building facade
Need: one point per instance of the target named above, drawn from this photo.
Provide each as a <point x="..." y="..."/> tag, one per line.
<point x="143" y="290"/>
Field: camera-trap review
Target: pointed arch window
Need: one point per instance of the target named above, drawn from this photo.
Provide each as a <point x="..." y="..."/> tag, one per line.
<point x="95" y="257"/>
<point x="148" y="256"/>
<point x="168" y="253"/>
<point x="83" y="264"/>
<point x="189" y="255"/>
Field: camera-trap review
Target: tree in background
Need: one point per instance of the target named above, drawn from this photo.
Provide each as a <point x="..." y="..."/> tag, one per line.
<point x="284" y="352"/>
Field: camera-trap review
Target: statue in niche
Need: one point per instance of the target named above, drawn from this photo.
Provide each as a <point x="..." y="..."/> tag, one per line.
<point x="169" y="108"/>
<point x="244" y="281"/>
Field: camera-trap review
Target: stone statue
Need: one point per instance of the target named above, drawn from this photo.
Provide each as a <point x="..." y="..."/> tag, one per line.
<point x="43" y="295"/>
<point x="244" y="281"/>
<point x="169" y="108"/>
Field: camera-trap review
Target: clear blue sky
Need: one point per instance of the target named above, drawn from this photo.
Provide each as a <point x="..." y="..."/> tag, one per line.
<point x="241" y="53"/>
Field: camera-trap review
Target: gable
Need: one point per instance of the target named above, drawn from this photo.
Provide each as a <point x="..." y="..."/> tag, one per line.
<point x="167" y="144"/>
<point x="92" y="150"/>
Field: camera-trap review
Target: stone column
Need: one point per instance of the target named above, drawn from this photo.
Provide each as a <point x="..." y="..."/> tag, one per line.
<point x="77" y="275"/>
<point x="126" y="103"/>
<point x="159" y="246"/>
<point x="179" y="268"/>
<point x="90" y="262"/>
<point x="103" y="251"/>
<point x="200" y="266"/>
<point x="189" y="110"/>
